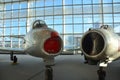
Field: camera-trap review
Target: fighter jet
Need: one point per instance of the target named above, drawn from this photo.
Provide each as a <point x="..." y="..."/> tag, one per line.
<point x="101" y="45"/>
<point x="40" y="41"/>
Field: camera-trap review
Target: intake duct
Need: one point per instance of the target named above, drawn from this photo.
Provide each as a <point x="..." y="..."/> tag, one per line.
<point x="100" y="45"/>
<point x="93" y="43"/>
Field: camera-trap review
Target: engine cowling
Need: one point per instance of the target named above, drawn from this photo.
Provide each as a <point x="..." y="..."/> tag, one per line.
<point x="101" y="44"/>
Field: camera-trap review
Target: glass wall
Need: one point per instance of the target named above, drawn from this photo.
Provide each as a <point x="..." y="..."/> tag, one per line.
<point x="71" y="18"/>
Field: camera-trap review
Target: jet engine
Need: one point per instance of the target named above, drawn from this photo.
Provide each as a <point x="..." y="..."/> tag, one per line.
<point x="101" y="45"/>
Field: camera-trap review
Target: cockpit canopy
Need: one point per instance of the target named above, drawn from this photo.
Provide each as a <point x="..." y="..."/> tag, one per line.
<point x="39" y="24"/>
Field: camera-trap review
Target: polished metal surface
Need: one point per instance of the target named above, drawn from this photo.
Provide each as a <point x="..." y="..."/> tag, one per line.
<point x="101" y="44"/>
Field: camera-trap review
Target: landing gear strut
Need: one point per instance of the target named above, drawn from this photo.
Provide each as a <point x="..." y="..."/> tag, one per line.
<point x="48" y="72"/>
<point x="101" y="73"/>
<point x="13" y="58"/>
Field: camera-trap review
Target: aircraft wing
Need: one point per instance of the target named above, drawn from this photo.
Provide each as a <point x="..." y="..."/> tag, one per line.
<point x="8" y="49"/>
<point x="11" y="49"/>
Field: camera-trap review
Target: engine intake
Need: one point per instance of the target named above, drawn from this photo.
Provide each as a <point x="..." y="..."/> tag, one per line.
<point x="93" y="43"/>
<point x="101" y="45"/>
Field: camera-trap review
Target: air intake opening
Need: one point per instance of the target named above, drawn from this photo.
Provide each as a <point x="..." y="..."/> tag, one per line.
<point x="93" y="43"/>
<point x="53" y="44"/>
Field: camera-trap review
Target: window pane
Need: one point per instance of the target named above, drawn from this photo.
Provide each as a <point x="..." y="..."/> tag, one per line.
<point x="22" y="30"/>
<point x="78" y="19"/>
<point x="68" y="9"/>
<point x="58" y="20"/>
<point x="23" y="13"/>
<point x="58" y="28"/>
<point x="58" y="2"/>
<point x="107" y="8"/>
<point x="49" y="11"/>
<point x="116" y="18"/>
<point x="77" y="9"/>
<point x="87" y="19"/>
<point x="15" y="14"/>
<point x="77" y="39"/>
<point x="108" y="18"/>
<point x="8" y="6"/>
<point x="49" y="20"/>
<point x="14" y="42"/>
<point x="116" y="8"/>
<point x="14" y="31"/>
<point x="96" y="1"/>
<point x="7" y="31"/>
<point x="77" y="1"/>
<point x="58" y="11"/>
<point x="116" y="0"/>
<point x="69" y="42"/>
<point x="14" y="22"/>
<point x="68" y="19"/>
<point x="1" y="31"/>
<point x="7" y="42"/>
<point x="48" y="2"/>
<point x="78" y="28"/>
<point x="87" y="8"/>
<point x="7" y="23"/>
<point x="97" y="9"/>
<point x="1" y="15"/>
<point x="68" y="29"/>
<point x="87" y="1"/>
<point x="22" y="22"/>
<point x="1" y="23"/>
<point x="7" y="14"/>
<point x="67" y="2"/>
<point x="15" y="6"/>
<point x="23" y="5"/>
<point x="39" y="11"/>
<point x="97" y="18"/>
<point x="117" y="28"/>
<point x="40" y="3"/>
<point x="107" y="1"/>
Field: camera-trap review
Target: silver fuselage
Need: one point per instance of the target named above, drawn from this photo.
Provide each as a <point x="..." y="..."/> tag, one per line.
<point x="101" y="44"/>
<point x="34" y="42"/>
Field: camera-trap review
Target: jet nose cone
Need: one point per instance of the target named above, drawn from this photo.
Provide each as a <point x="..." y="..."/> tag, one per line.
<point x="53" y="44"/>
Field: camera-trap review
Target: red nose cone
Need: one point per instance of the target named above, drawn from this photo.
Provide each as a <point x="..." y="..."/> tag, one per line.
<point x="53" y="44"/>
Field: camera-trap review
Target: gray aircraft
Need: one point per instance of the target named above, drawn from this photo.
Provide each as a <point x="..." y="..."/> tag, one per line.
<point x="101" y="46"/>
<point x="40" y="41"/>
